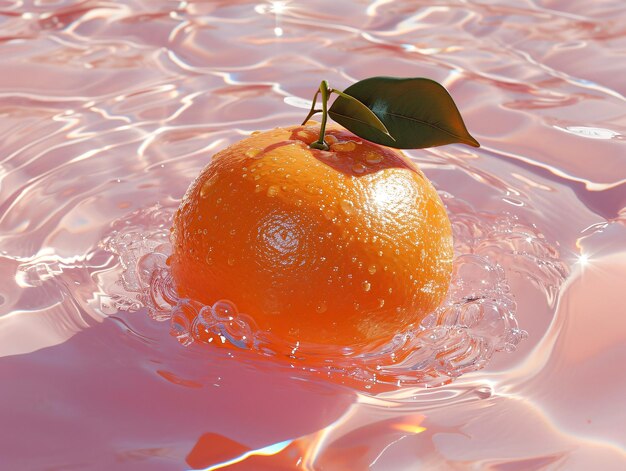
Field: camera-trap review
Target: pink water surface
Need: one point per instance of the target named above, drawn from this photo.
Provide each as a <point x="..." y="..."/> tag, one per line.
<point x="108" y="110"/>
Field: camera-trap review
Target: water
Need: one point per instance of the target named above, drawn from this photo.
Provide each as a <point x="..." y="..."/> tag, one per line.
<point x="108" y="111"/>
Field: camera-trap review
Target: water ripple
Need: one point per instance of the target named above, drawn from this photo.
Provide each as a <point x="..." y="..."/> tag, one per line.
<point x="110" y="108"/>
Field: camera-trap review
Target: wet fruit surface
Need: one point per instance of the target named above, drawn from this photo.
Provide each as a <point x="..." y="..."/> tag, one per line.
<point x="342" y="247"/>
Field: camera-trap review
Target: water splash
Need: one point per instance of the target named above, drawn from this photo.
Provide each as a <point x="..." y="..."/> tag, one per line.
<point x="476" y="320"/>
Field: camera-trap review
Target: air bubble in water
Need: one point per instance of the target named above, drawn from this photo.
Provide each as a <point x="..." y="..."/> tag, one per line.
<point x="224" y="310"/>
<point x="148" y="263"/>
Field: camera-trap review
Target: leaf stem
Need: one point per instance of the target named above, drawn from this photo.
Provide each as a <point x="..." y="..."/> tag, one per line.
<point x="313" y="110"/>
<point x="325" y="91"/>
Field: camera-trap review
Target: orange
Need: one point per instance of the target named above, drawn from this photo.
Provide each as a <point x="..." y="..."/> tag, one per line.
<point x="343" y="247"/>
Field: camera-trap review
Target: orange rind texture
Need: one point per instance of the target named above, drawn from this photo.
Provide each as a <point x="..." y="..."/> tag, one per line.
<point x="345" y="247"/>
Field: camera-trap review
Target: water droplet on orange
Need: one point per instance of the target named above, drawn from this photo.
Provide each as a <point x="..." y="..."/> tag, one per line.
<point x="330" y="139"/>
<point x="253" y="153"/>
<point x="205" y="191"/>
<point x="328" y="213"/>
<point x="321" y="308"/>
<point x="347" y="206"/>
<point x="359" y="168"/>
<point x="343" y="146"/>
<point x="272" y="191"/>
<point x="373" y="158"/>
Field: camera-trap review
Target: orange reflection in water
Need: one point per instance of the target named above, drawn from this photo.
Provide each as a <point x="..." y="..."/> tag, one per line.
<point x="341" y="441"/>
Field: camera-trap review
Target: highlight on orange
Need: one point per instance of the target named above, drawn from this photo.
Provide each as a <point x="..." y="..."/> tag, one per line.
<point x="346" y="246"/>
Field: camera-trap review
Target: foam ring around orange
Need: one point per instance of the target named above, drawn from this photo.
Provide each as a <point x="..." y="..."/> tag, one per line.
<point x="344" y="247"/>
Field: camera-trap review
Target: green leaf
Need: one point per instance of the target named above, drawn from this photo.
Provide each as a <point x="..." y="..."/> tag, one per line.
<point x="359" y="113"/>
<point x="417" y="112"/>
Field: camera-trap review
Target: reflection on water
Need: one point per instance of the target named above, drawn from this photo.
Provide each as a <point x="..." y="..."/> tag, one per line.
<point x="109" y="110"/>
